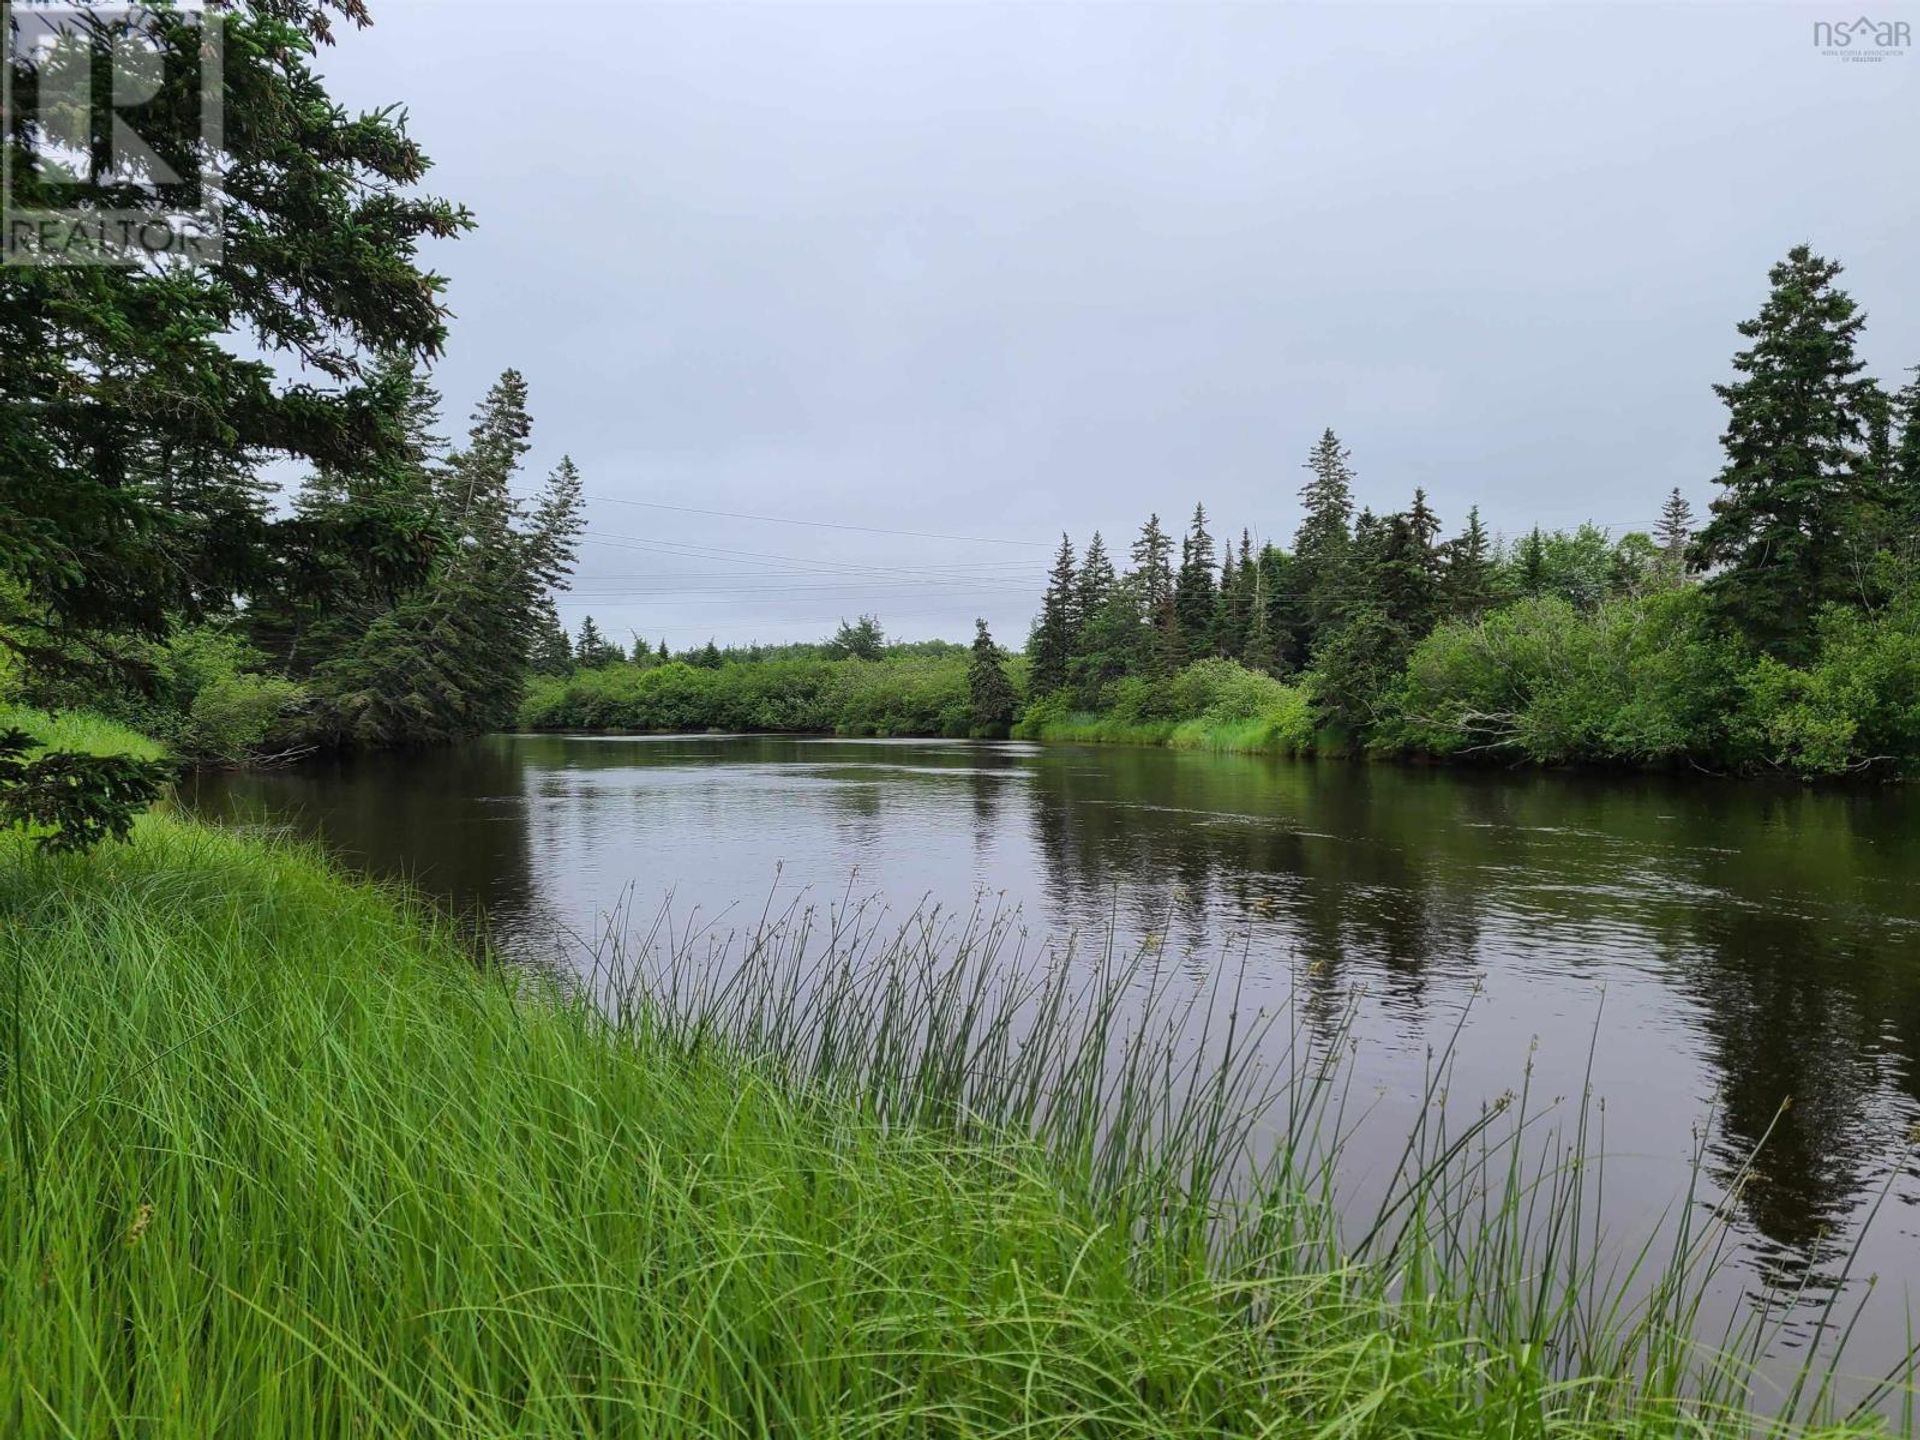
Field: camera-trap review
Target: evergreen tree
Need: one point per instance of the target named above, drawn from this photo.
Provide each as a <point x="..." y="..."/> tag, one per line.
<point x="990" y="692"/>
<point x="1405" y="579"/>
<point x="1153" y="588"/>
<point x="592" y="650"/>
<point x="140" y="401"/>
<point x="447" y="659"/>
<point x="1232" y="618"/>
<point x="661" y="653"/>
<point x="1530" y="564"/>
<point x="552" y="651"/>
<point x="1424" y="531"/>
<point x="1152" y="554"/>
<point x="1054" y="637"/>
<point x="1468" y="588"/>
<point x="1673" y="534"/>
<point x="1392" y="602"/>
<point x="1283" y="611"/>
<point x="1106" y="625"/>
<point x="1903" y="469"/>
<point x="1322" y="543"/>
<point x="708" y="656"/>
<point x="1798" y="483"/>
<point x="1094" y="587"/>
<point x="1195" y="598"/>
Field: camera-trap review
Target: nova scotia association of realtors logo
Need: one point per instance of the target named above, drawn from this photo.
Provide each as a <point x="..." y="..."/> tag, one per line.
<point x="1863" y="39"/>
<point x="112" y="129"/>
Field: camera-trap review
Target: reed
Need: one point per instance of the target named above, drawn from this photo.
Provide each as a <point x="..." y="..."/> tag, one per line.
<point x="280" y="1159"/>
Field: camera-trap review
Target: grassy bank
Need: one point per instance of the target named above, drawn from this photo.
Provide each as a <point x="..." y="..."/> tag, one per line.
<point x="279" y="1159"/>
<point x="79" y="730"/>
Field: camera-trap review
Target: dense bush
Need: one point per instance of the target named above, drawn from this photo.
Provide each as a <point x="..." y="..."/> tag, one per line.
<point x="1855" y="705"/>
<point x="205" y="694"/>
<point x="1645" y="681"/>
<point x="909" y="694"/>
<point x="1656" y="680"/>
<point x="1210" y="705"/>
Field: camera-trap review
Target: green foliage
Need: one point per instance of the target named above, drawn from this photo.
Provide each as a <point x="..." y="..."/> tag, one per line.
<point x="1195" y="598"/>
<point x="136" y="415"/>
<point x="1657" y="681"/>
<point x="862" y="640"/>
<point x="1799" y="489"/>
<point x="1056" y="636"/>
<point x="71" y="799"/>
<point x="593" y="651"/>
<point x="899" y="694"/>
<point x="1211" y="705"/>
<point x="142" y="400"/>
<point x="439" y="655"/>
<point x="990" y="694"/>
<point x="1854" y="706"/>
<point x="248" y="1104"/>
<point x="1321" y="545"/>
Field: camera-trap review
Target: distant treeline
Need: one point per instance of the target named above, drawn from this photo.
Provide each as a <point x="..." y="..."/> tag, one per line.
<point x="1783" y="633"/>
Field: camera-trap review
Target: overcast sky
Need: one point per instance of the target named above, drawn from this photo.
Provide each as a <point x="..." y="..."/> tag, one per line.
<point x="1003" y="270"/>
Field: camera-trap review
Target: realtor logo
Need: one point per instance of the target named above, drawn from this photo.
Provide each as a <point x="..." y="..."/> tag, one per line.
<point x="112" y="128"/>
<point x="1862" y="40"/>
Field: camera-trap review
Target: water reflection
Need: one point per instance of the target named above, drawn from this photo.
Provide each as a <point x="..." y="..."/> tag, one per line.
<point x="1754" y="946"/>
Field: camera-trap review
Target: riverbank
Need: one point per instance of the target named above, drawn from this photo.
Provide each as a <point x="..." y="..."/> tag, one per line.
<point x="1648" y="687"/>
<point x="280" y="1159"/>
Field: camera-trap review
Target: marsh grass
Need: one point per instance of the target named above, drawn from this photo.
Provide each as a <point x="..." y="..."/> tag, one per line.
<point x="279" y="1159"/>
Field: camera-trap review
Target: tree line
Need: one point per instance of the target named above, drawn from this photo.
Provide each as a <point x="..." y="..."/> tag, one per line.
<point x="1816" y="525"/>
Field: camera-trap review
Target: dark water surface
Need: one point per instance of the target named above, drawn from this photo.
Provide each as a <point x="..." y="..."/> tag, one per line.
<point x="1722" y="948"/>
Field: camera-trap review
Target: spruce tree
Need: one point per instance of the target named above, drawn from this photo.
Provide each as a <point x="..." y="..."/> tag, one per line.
<point x="1322" y="543"/>
<point x="1152" y="554"/>
<point x="1468" y="587"/>
<point x="1095" y="585"/>
<point x="1054" y="635"/>
<point x="1530" y="564"/>
<point x="1424" y="528"/>
<point x="552" y="651"/>
<point x="1798" y="480"/>
<point x="1195" y="598"/>
<point x="1236" y="600"/>
<point x="593" y="650"/>
<point x="447" y="658"/>
<point x="1903" y="470"/>
<point x="1289" y="631"/>
<point x="1673" y="534"/>
<point x="990" y="693"/>
<point x="1153" y="590"/>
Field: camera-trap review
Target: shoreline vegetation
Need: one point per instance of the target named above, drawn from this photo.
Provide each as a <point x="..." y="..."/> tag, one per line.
<point x="1639" y="686"/>
<point x="1781" y="636"/>
<point x="280" y="1158"/>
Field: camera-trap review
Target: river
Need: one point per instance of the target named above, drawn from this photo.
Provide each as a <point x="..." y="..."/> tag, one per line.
<point x="1720" y="949"/>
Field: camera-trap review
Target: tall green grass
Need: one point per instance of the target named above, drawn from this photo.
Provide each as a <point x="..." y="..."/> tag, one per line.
<point x="279" y="1159"/>
<point x="79" y="730"/>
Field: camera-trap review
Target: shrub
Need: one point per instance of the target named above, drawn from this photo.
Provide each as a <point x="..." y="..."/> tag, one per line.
<point x="1643" y="680"/>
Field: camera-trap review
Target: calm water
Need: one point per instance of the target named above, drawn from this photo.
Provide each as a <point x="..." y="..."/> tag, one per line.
<point x="1723" y="948"/>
